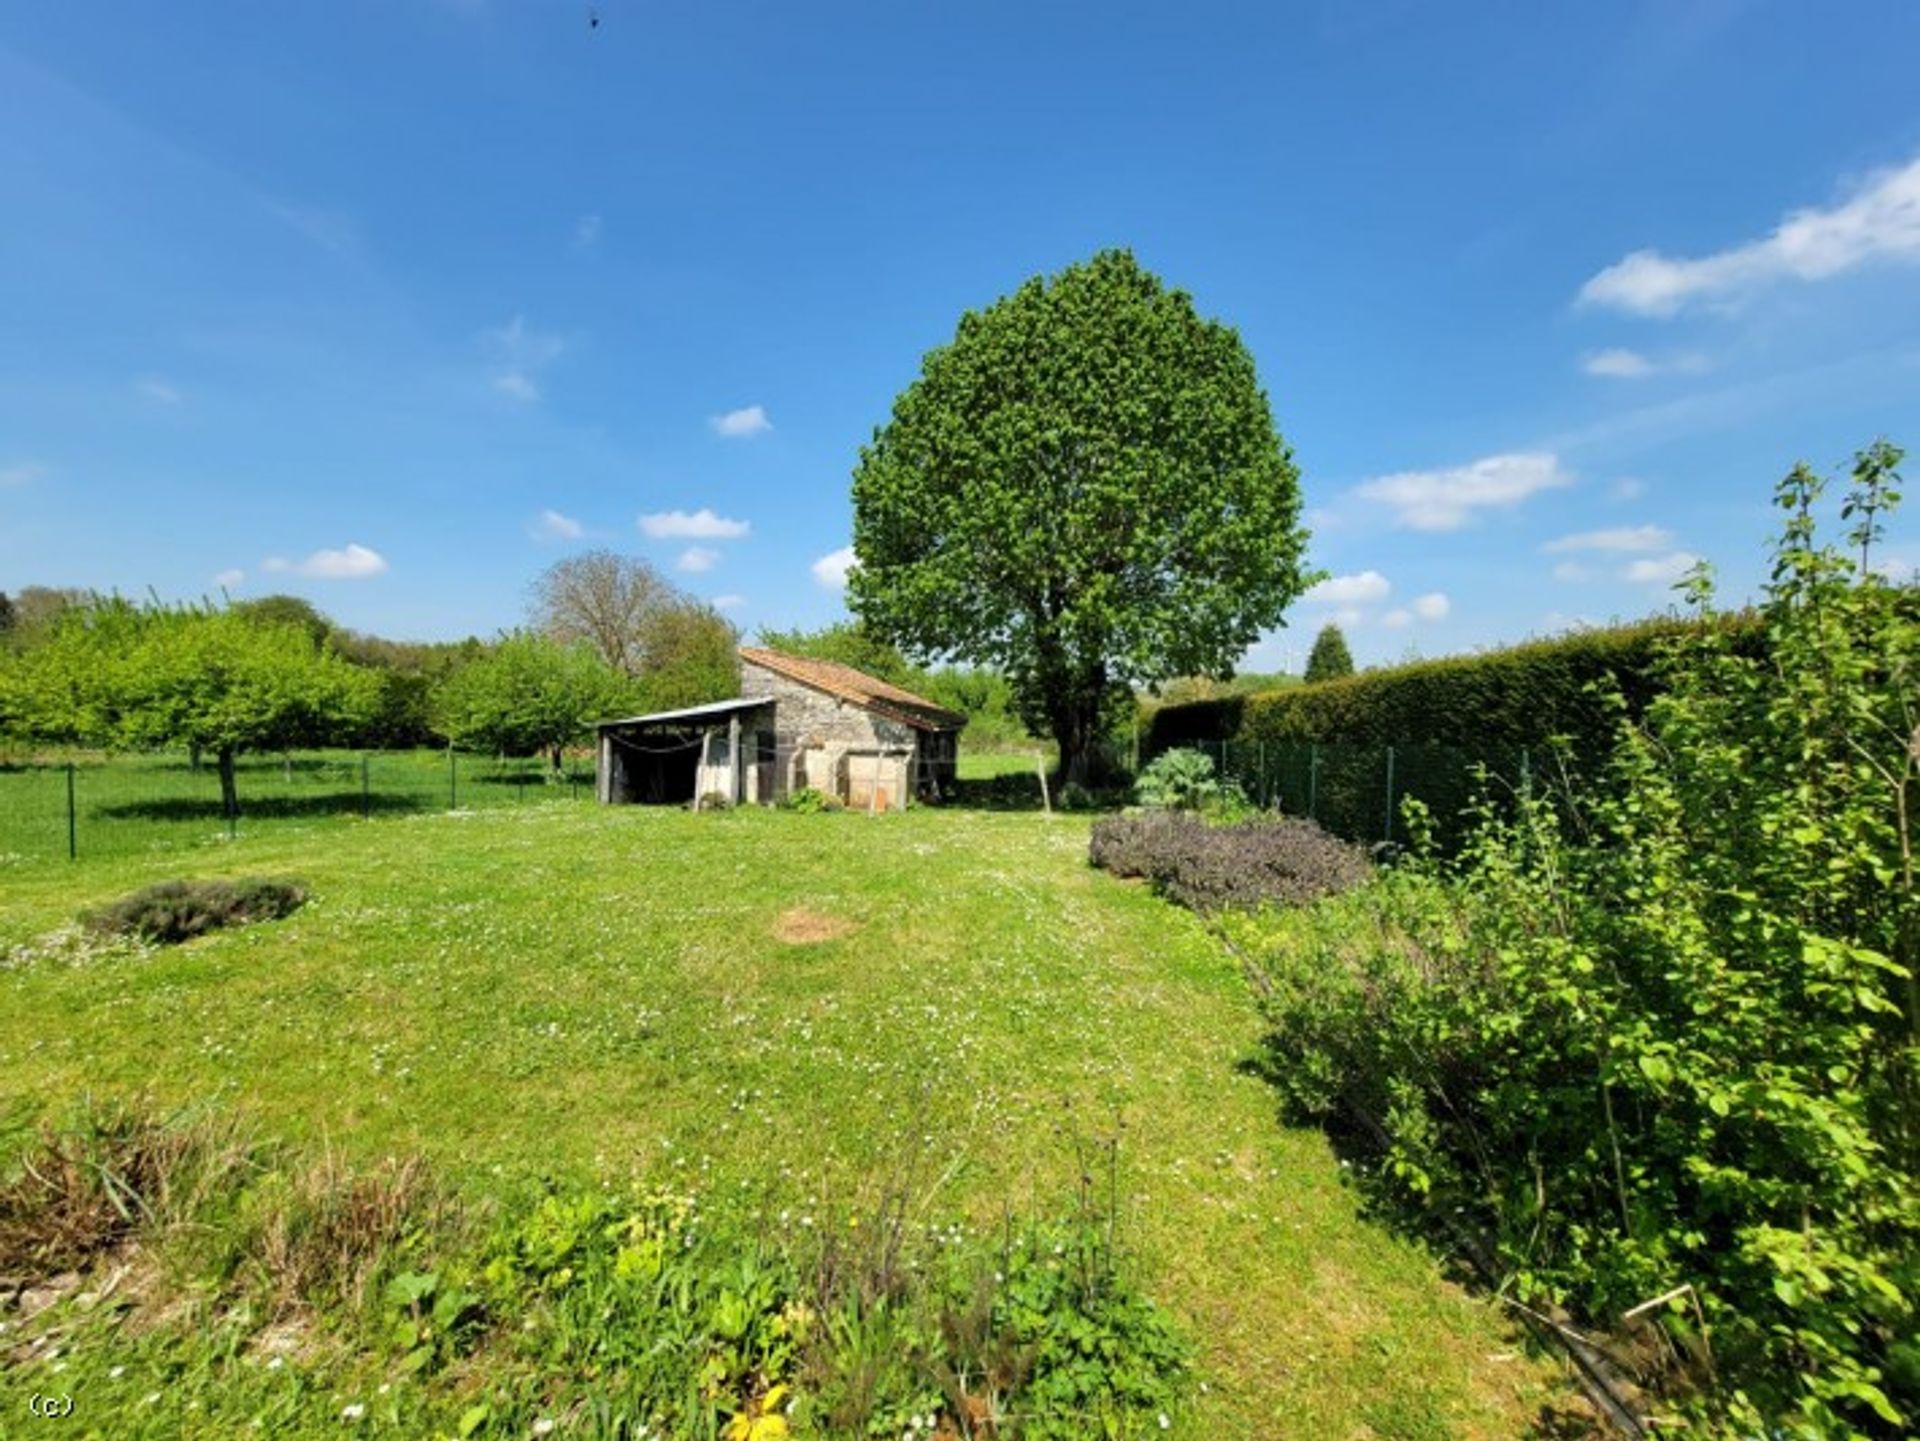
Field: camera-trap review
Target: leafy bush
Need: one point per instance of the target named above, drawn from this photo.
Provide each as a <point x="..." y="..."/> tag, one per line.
<point x="176" y="911"/>
<point x="1240" y="866"/>
<point x="1667" y="1049"/>
<point x="810" y="801"/>
<point x="1178" y="780"/>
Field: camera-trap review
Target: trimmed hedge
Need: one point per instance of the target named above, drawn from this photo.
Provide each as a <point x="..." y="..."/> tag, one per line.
<point x="1525" y="695"/>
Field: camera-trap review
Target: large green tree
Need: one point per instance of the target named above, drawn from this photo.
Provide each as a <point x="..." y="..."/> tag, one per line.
<point x="530" y="694"/>
<point x="1329" y="659"/>
<point x="1085" y="489"/>
<point x="114" y="674"/>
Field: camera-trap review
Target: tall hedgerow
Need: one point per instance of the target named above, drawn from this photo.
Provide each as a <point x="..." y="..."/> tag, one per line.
<point x="1664" y="1049"/>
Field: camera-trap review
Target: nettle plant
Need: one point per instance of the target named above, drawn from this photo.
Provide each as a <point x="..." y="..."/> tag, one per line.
<point x="1659" y="1042"/>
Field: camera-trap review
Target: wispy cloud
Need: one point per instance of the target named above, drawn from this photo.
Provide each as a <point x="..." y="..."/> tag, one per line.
<point x="586" y="232"/>
<point x="1450" y="498"/>
<point x="331" y="230"/>
<point x="1879" y="220"/>
<point x="749" y="420"/>
<point x="552" y="525"/>
<point x="519" y="353"/>
<point x="1620" y="538"/>
<point x="351" y="562"/>
<point x="160" y="392"/>
<point x="228" y="579"/>
<point x="1349" y="589"/>
<point x="728" y="602"/>
<point x="831" y="569"/>
<point x="24" y="472"/>
<point x="700" y="524"/>
<point x="1619" y="363"/>
<point x="1662" y="569"/>
<point x="697" y="558"/>
<point x="1432" y="606"/>
<point x="1627" y="487"/>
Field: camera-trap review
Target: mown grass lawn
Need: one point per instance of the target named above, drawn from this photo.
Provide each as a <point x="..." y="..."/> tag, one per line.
<point x="809" y="1004"/>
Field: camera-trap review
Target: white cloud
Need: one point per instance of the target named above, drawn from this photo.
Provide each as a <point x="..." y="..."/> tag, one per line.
<point x="353" y="562"/>
<point x="518" y="353"/>
<point x="1448" y="499"/>
<point x="728" y="602"/>
<point x="1575" y="571"/>
<point x="1349" y="617"/>
<point x="1397" y="619"/>
<point x="159" y="391"/>
<point x="1432" y="606"/>
<point x="228" y="579"/>
<point x="696" y="558"/>
<point x="25" y="473"/>
<point x="1618" y="539"/>
<point x="1627" y="487"/>
<point x="1879" y="220"/>
<point x="1618" y="363"/>
<point x="1350" y="589"/>
<point x="701" y="524"/>
<point x="738" y="424"/>
<point x="586" y="232"/>
<point x="1662" y="569"/>
<point x="552" y="525"/>
<point x="831" y="569"/>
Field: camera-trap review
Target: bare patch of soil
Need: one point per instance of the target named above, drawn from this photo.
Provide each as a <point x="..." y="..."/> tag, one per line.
<point x="802" y="927"/>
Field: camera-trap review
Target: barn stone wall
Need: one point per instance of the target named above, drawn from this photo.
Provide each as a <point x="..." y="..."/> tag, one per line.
<point x="830" y="744"/>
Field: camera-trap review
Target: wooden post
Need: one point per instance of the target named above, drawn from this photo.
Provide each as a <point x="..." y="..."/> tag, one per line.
<point x="733" y="759"/>
<point x="700" y="766"/>
<point x="1040" y="769"/>
<point x="873" y="789"/>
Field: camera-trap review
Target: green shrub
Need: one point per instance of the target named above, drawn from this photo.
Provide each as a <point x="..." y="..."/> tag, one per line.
<point x="1666" y="1048"/>
<point x="1238" y="866"/>
<point x="809" y="801"/>
<point x="1179" y="780"/>
<point x="176" y="911"/>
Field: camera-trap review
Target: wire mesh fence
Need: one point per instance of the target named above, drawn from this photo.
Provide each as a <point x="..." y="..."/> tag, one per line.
<point x="1356" y="791"/>
<point x="122" y="805"/>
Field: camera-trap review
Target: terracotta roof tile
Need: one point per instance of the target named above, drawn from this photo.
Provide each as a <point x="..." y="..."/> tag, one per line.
<point x="857" y="686"/>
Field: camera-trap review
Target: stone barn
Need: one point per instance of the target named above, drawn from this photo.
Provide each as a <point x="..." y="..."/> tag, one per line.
<point x="797" y="723"/>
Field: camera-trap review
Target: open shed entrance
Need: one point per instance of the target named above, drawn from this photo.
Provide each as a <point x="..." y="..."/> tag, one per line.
<point x="683" y="756"/>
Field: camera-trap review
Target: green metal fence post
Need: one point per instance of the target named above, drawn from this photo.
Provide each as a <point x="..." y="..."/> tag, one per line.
<point x="366" y="789"/>
<point x="1389" y="795"/>
<point x="1313" y="781"/>
<point x="453" y="781"/>
<point x="1526" y="774"/>
<point x="73" y="829"/>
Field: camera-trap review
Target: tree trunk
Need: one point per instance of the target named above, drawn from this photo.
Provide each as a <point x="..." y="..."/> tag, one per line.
<point x="1076" y="730"/>
<point x="557" y="766"/>
<point x="229" y="793"/>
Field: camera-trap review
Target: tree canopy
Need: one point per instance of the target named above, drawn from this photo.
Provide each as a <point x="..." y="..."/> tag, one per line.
<point x="118" y="675"/>
<point x="1084" y="489"/>
<point x="530" y="694"/>
<point x="1329" y="659"/>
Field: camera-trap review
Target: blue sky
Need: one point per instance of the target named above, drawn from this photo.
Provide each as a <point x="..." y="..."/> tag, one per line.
<point x="391" y="302"/>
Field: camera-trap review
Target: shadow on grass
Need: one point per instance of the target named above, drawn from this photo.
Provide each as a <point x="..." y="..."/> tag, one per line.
<point x="204" y="808"/>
